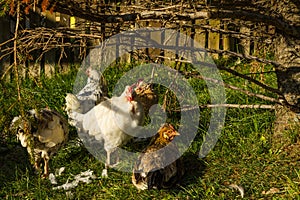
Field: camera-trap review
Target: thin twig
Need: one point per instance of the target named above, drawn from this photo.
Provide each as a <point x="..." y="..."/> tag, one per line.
<point x="248" y="93"/>
<point x="233" y="72"/>
<point x="244" y="56"/>
<point x="266" y="87"/>
<point x="7" y="70"/>
<point x="16" y="52"/>
<point x="272" y="107"/>
<point x="253" y="106"/>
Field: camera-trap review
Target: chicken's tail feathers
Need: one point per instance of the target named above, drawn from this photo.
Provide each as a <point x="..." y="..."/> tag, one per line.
<point x="72" y="103"/>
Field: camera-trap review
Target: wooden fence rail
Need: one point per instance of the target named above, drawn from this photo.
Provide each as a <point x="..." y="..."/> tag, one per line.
<point x="209" y="33"/>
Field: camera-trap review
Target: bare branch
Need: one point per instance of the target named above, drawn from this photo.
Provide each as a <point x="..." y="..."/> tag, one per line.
<point x="272" y="107"/>
<point x="253" y="106"/>
<point x="248" y="93"/>
<point x="15" y="51"/>
<point x="240" y="35"/>
<point x="263" y="97"/>
<point x="233" y="72"/>
<point x="244" y="10"/>
<point x="7" y="70"/>
<point x="280" y="24"/>
<point x="266" y="87"/>
<point x="244" y="56"/>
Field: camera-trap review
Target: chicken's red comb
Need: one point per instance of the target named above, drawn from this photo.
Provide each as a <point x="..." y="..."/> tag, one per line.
<point x="133" y="85"/>
<point x="173" y="129"/>
<point x="140" y="80"/>
<point x="130" y="88"/>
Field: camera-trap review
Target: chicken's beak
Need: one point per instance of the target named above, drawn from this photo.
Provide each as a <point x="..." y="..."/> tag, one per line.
<point x="176" y="133"/>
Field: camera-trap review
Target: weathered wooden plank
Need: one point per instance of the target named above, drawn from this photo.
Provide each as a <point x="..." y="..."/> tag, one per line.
<point x="4" y="35"/>
<point x="48" y="61"/>
<point x="245" y="43"/>
<point x="226" y="40"/>
<point x="200" y="34"/>
<point x="214" y="38"/>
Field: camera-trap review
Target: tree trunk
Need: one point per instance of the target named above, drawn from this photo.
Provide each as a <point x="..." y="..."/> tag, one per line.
<point x="288" y="77"/>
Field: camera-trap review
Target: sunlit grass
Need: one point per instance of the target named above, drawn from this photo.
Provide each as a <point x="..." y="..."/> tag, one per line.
<point x="242" y="155"/>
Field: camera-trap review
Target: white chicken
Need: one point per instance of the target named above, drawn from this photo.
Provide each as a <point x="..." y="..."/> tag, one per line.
<point x="43" y="133"/>
<point x="110" y="121"/>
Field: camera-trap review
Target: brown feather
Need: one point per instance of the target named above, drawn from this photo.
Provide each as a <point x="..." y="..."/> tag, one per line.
<point x="145" y="94"/>
<point x="43" y="133"/>
<point x="158" y="166"/>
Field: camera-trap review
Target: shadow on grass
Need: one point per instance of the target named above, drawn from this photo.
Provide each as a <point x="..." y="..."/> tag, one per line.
<point x="194" y="169"/>
<point x="13" y="163"/>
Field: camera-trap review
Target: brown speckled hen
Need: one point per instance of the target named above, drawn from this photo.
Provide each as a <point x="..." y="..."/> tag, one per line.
<point x="159" y="165"/>
<point x="145" y="94"/>
<point x="43" y="133"/>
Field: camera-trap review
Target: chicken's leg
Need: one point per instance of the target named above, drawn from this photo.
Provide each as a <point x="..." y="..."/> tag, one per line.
<point x="115" y="156"/>
<point x="37" y="164"/>
<point x="46" y="166"/>
<point x="107" y="164"/>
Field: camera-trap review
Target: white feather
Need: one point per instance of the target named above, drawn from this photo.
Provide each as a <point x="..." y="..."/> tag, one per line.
<point x="90" y="94"/>
<point x="111" y="121"/>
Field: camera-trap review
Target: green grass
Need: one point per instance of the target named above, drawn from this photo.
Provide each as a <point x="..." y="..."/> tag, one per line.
<point x="242" y="155"/>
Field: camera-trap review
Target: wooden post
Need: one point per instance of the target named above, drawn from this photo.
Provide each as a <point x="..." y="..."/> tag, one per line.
<point x="65" y="61"/>
<point x="214" y="38"/>
<point x="49" y="56"/>
<point x="156" y="36"/>
<point x="245" y="43"/>
<point x="4" y="35"/>
<point x="226" y="40"/>
<point x="32" y="64"/>
<point x="166" y="53"/>
<point x="200" y="34"/>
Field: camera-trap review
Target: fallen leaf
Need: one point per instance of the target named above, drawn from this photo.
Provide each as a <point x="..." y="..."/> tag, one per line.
<point x="271" y="191"/>
<point x="52" y="179"/>
<point x="59" y="171"/>
<point x="238" y="188"/>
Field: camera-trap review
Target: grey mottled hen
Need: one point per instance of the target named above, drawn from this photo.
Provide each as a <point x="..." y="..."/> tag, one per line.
<point x="43" y="133"/>
<point x="94" y="92"/>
